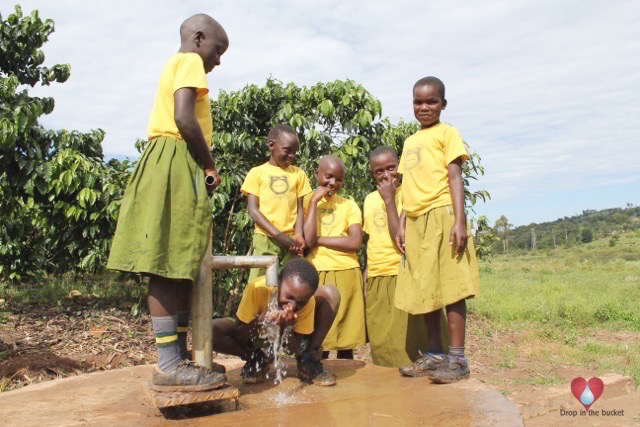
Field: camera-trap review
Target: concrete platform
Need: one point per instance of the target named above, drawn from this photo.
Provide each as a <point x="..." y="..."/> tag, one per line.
<point x="366" y="395"/>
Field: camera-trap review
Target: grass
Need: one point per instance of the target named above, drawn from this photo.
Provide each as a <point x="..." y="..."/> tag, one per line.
<point x="110" y="288"/>
<point x="573" y="307"/>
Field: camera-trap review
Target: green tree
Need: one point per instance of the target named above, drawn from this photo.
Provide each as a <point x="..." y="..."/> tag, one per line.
<point x="58" y="199"/>
<point x="586" y="235"/>
<point x="338" y="117"/>
<point x="503" y="228"/>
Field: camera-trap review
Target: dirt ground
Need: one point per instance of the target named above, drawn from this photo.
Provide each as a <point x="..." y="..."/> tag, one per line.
<point x="43" y="343"/>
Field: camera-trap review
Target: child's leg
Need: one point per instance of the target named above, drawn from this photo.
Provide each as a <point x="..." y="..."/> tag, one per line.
<point x="309" y="363"/>
<point x="162" y="306"/>
<point x="224" y="338"/>
<point x="434" y="337"/>
<point x="183" y="306"/>
<point x="327" y="303"/>
<point x="457" y="316"/>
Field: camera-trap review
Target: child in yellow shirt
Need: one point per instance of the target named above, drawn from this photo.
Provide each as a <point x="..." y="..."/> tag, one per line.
<point x="274" y="193"/>
<point x="395" y="337"/>
<point x="333" y="233"/>
<point x="165" y="220"/>
<point x="441" y="268"/>
<point x="300" y="304"/>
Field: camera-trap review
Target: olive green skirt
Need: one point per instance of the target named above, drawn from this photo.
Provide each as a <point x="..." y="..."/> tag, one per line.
<point x="348" y="329"/>
<point x="265" y="245"/>
<point x="433" y="276"/>
<point x="165" y="217"/>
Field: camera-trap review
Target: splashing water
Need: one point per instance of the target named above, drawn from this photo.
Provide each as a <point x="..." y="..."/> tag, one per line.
<point x="277" y="339"/>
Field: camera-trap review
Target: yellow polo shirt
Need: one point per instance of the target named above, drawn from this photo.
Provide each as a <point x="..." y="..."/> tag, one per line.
<point x="425" y="157"/>
<point x="278" y="190"/>
<point x="255" y="301"/>
<point x="182" y="70"/>
<point x="383" y="258"/>
<point x="335" y="215"/>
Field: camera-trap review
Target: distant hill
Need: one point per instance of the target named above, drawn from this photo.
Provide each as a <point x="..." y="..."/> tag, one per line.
<point x="570" y="231"/>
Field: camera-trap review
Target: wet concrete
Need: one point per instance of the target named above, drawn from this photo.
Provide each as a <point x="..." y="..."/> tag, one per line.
<point x="365" y="395"/>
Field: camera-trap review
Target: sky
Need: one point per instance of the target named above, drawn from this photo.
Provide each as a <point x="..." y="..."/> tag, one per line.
<point x="546" y="92"/>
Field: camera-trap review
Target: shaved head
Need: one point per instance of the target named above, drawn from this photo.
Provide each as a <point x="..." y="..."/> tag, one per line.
<point x="331" y="161"/>
<point x="200" y="22"/>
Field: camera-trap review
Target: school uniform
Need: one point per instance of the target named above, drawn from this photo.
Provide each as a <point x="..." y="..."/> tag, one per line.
<point x="278" y="190"/>
<point x="334" y="217"/>
<point x="165" y="220"/>
<point x="433" y="276"/>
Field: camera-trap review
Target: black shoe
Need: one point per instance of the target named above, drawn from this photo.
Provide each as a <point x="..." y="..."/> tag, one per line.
<point x="187" y="376"/>
<point x="451" y="370"/>
<point x="423" y="365"/>
<point x="311" y="371"/>
<point x="256" y="367"/>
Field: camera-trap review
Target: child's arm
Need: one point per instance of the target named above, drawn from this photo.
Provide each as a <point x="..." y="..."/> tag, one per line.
<point x="458" y="235"/>
<point x="350" y="243"/>
<point x="253" y="205"/>
<point x="310" y="226"/>
<point x="387" y="190"/>
<point x="402" y="225"/>
<point x="185" y="118"/>
<point x="298" y="233"/>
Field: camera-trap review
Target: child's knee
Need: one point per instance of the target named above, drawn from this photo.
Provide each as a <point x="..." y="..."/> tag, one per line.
<point x="330" y="295"/>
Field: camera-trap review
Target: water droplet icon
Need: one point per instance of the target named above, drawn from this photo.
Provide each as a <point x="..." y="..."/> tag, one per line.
<point x="587" y="397"/>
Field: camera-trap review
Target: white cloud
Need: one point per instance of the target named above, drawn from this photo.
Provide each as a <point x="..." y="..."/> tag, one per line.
<point x="545" y="91"/>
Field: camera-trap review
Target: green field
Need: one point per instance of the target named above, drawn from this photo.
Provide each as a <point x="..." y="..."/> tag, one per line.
<point x="577" y="307"/>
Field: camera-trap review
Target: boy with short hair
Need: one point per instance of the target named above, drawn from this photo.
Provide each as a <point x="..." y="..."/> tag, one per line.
<point x="333" y="233"/>
<point x="441" y="268"/>
<point x="298" y="303"/>
<point x="395" y="337"/>
<point x="165" y="221"/>
<point x="274" y="193"/>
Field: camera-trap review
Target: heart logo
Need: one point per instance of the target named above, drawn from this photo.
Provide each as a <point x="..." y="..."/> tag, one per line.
<point x="587" y="392"/>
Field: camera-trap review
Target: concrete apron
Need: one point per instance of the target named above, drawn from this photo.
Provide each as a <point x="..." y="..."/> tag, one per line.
<point x="365" y="395"/>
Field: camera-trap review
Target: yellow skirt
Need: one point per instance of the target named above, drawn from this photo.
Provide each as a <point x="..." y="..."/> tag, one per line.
<point x="432" y="276"/>
<point x="348" y="329"/>
<point x="394" y="335"/>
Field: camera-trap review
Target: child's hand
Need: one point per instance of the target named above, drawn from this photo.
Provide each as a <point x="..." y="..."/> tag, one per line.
<point x="458" y="237"/>
<point x="285" y="241"/>
<point x="319" y="193"/>
<point x="299" y="248"/>
<point x="387" y="189"/>
<point x="284" y="317"/>
<point x="212" y="182"/>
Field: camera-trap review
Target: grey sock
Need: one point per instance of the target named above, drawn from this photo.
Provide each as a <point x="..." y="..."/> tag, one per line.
<point x="183" y="327"/>
<point x="457" y="352"/>
<point x="164" y="328"/>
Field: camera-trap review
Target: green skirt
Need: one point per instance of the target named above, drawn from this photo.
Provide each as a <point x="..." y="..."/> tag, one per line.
<point x="348" y="328"/>
<point x="265" y="245"/>
<point x="165" y="217"/>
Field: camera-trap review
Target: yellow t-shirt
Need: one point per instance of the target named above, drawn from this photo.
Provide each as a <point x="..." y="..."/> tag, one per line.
<point x="182" y="70"/>
<point x="335" y="215"/>
<point x="255" y="301"/>
<point x="278" y="190"/>
<point x="383" y="258"/>
<point x="425" y="157"/>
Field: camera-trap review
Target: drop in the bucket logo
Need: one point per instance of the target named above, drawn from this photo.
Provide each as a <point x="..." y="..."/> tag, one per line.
<point x="587" y="392"/>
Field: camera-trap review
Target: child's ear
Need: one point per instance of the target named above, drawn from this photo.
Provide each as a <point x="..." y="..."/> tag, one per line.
<point x="271" y="144"/>
<point x="199" y="38"/>
<point x="444" y="104"/>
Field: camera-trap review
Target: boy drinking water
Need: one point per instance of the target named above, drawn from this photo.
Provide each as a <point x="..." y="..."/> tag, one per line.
<point x="165" y="222"/>
<point x="395" y="337"/>
<point x="298" y="303"/>
<point x="440" y="268"/>
<point x="333" y="233"/>
<point x="274" y="193"/>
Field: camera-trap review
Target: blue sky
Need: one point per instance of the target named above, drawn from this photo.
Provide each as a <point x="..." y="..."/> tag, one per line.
<point x="547" y="92"/>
